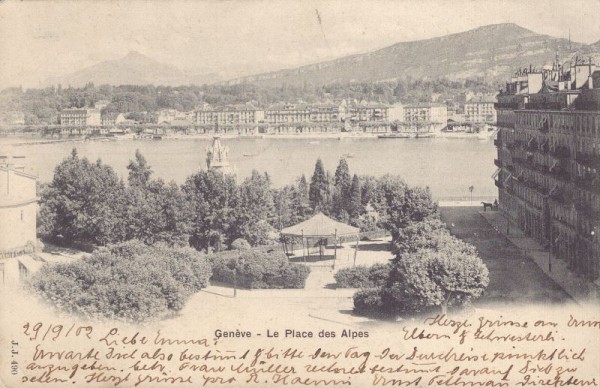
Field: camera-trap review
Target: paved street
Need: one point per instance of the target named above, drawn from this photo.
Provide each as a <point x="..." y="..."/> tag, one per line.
<point x="514" y="278"/>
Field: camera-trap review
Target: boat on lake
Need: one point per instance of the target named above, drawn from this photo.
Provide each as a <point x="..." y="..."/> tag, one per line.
<point x="424" y="135"/>
<point x="398" y="135"/>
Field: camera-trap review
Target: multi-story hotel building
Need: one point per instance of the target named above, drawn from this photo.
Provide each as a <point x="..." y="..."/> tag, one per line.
<point x="480" y="110"/>
<point x="80" y="117"/>
<point x="428" y="116"/>
<point x="287" y="113"/>
<point x="325" y="113"/>
<point x="229" y="115"/>
<point x="361" y="112"/>
<point x="549" y="159"/>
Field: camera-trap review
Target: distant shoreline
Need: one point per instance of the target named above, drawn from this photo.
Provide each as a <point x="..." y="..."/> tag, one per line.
<point x="36" y="139"/>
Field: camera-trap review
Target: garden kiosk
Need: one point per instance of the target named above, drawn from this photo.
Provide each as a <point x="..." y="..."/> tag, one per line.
<point x="321" y="228"/>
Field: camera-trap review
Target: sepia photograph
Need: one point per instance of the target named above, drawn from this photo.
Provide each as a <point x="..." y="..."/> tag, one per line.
<point x="271" y="193"/>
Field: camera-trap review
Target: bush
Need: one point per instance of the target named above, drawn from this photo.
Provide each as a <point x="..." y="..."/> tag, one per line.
<point x="369" y="300"/>
<point x="362" y="276"/>
<point x="258" y="269"/>
<point x="128" y="281"/>
<point x="453" y="275"/>
<point x="240" y="244"/>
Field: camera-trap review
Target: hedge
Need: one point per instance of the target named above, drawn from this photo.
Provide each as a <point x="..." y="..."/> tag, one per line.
<point x="369" y="300"/>
<point x="362" y="276"/>
<point x="129" y="281"/>
<point x="255" y="269"/>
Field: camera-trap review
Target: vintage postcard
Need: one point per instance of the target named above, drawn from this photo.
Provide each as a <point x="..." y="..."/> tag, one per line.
<point x="286" y="194"/>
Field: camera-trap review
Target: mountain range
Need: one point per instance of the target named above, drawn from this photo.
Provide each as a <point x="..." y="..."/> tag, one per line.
<point x="492" y="52"/>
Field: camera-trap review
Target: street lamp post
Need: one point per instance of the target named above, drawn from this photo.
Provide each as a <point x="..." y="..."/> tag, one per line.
<point x="235" y="282"/>
<point x="550" y="257"/>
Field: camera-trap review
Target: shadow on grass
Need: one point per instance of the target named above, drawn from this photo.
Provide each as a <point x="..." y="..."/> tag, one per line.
<point x="381" y="247"/>
<point x="312" y="259"/>
<point x="56" y="250"/>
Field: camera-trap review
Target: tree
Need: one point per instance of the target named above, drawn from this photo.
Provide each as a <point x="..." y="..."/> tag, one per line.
<point x="355" y="207"/>
<point x="341" y="191"/>
<point x="303" y="188"/>
<point x="291" y="206"/>
<point x="256" y="209"/>
<point x="433" y="268"/>
<point x="426" y="234"/>
<point x="367" y="184"/>
<point x="85" y="202"/>
<point x="139" y="170"/>
<point x="452" y="274"/>
<point x="129" y="282"/>
<point x="400" y="204"/>
<point x="342" y="178"/>
<point x="158" y="212"/>
<point x="214" y="198"/>
<point x="319" y="187"/>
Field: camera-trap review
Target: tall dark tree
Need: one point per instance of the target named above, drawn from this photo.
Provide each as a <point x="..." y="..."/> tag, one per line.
<point x="342" y="178"/>
<point x="354" y="207"/>
<point x="342" y="181"/>
<point x="319" y="188"/>
<point x="303" y="187"/>
<point x="367" y="184"/>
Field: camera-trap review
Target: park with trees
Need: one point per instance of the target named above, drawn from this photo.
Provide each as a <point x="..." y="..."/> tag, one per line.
<point x="213" y="227"/>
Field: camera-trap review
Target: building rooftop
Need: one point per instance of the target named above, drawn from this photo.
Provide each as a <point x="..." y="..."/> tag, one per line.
<point x="424" y="105"/>
<point x="482" y="99"/>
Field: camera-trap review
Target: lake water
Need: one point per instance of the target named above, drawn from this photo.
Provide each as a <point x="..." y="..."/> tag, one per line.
<point x="447" y="166"/>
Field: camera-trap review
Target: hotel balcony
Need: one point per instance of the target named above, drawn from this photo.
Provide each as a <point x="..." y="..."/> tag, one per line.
<point x="588" y="182"/>
<point x="533" y="147"/>
<point x="588" y="160"/>
<point x="536" y="187"/>
<point x="507" y="105"/>
<point x="585" y="210"/>
<point x="561" y="152"/>
<point x="561" y="174"/>
<point x="531" y="165"/>
<point x="544" y="106"/>
<point x="544" y="128"/>
<point x="513" y="145"/>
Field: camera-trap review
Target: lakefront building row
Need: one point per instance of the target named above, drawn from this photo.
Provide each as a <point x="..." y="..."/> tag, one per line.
<point x="549" y="160"/>
<point x="289" y="117"/>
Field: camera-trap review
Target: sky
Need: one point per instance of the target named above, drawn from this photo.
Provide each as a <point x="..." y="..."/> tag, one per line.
<point x="42" y="39"/>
